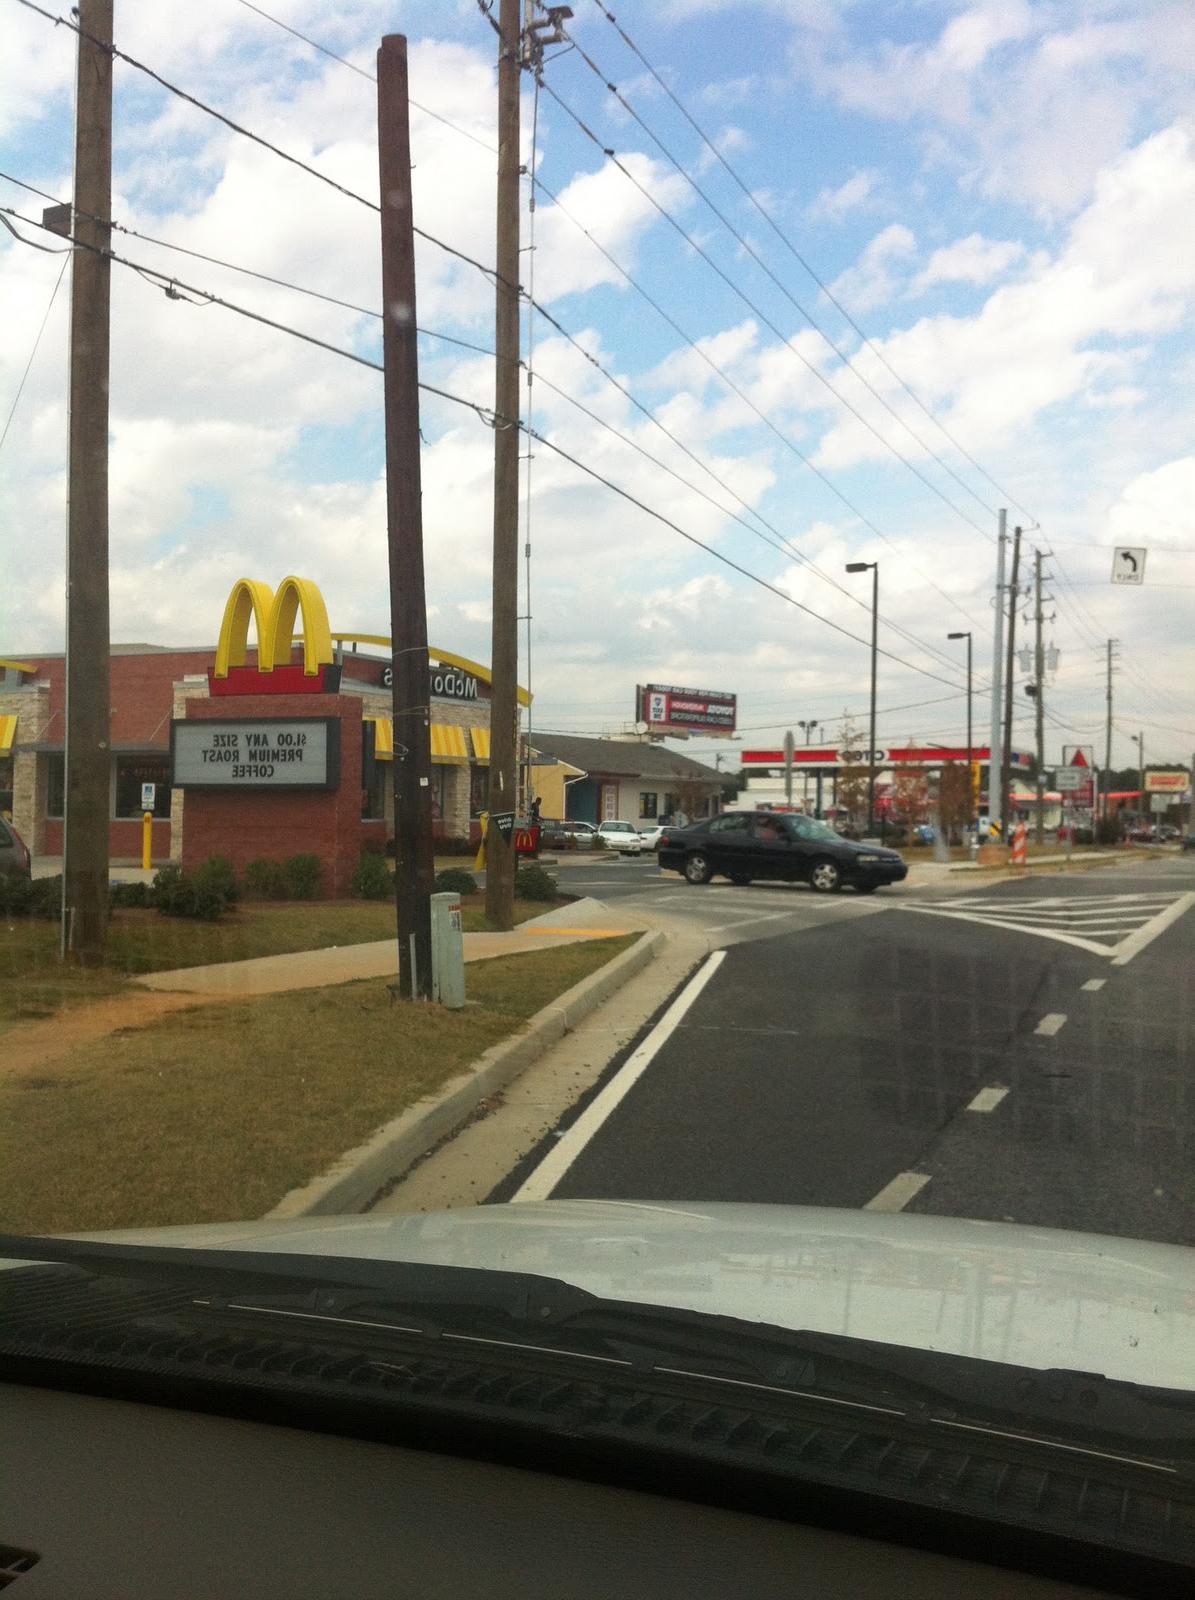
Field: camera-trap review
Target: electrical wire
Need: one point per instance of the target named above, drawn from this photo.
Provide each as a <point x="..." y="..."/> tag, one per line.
<point x="16" y="399"/>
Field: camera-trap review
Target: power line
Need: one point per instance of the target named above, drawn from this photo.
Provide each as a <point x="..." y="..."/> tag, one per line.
<point x="172" y="287"/>
<point x="16" y="399"/>
<point x="758" y="204"/>
<point x="746" y="245"/>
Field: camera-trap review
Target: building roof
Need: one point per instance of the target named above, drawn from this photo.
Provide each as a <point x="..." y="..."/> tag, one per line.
<point x="625" y="758"/>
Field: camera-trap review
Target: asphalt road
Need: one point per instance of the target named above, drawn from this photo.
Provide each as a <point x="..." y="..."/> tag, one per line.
<point x="1022" y="1052"/>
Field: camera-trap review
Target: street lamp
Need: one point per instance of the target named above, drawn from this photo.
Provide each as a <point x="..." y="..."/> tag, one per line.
<point x="874" y="568"/>
<point x="970" y="747"/>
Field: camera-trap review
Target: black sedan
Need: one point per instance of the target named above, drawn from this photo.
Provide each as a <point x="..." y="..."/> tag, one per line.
<point x="742" y="845"/>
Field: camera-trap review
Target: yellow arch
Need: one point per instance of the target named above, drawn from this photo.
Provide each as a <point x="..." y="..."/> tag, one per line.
<point x="446" y="658"/>
<point x="294" y="595"/>
<point x="249" y="600"/>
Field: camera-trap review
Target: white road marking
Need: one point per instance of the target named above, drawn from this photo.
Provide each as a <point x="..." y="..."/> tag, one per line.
<point x="1136" y="942"/>
<point x="987" y="1099"/>
<point x="896" y="1195"/>
<point x="744" y="922"/>
<point x="1093" y="984"/>
<point x="541" y="1182"/>
<point x="1053" y="1022"/>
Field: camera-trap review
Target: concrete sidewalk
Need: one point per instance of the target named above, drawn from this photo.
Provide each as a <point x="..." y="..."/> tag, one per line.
<point x="316" y="969"/>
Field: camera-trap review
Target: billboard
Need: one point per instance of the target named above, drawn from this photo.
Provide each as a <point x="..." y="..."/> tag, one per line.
<point x="1175" y="783"/>
<point x="665" y="707"/>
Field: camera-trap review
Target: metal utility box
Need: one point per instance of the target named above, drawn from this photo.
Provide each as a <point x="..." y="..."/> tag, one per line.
<point x="448" y="951"/>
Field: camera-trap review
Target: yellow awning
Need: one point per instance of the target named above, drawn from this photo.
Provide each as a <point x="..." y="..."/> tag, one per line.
<point x="8" y="732"/>
<point x="481" y="743"/>
<point x="448" y="744"/>
<point x="383" y="738"/>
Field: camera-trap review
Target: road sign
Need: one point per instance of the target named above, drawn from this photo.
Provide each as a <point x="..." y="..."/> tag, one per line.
<point x="149" y="793"/>
<point x="1068" y="779"/>
<point x="1171" y="783"/>
<point x="1128" y="564"/>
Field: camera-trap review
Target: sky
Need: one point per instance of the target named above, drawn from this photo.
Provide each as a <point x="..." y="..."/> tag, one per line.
<point x="934" y="260"/>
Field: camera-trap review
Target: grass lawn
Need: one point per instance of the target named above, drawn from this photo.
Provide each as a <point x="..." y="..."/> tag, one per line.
<point x="215" y="1113"/>
<point x="33" y="983"/>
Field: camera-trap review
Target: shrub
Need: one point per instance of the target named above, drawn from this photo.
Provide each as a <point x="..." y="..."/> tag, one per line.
<point x="1108" y="830"/>
<point x="178" y="895"/>
<point x="264" y="880"/>
<point x="302" y="875"/>
<point x="25" y="897"/>
<point x="219" y="874"/>
<point x="372" y="878"/>
<point x="455" y="880"/>
<point x="129" y="894"/>
<point x="533" y="883"/>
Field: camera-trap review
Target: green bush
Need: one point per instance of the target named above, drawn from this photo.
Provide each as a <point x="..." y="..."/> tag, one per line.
<point x="219" y="874"/>
<point x="372" y="878"/>
<point x="129" y="894"/>
<point x="1108" y="830"/>
<point x="30" y="897"/>
<point x="265" y="880"/>
<point x="302" y="876"/>
<point x="178" y="895"/>
<point x="455" y="880"/>
<point x="533" y="883"/>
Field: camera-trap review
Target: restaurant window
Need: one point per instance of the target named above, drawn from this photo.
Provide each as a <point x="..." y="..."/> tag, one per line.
<point x="373" y="776"/>
<point x="55" y="785"/>
<point x="479" y="790"/>
<point x="648" y="802"/>
<point x="6" y="787"/>
<point x="131" y="773"/>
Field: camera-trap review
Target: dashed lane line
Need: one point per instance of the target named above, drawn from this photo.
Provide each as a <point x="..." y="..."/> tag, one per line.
<point x="987" y="1099"/>
<point x="1094" y="984"/>
<point x="896" y="1195"/>
<point x="1053" y="1022"/>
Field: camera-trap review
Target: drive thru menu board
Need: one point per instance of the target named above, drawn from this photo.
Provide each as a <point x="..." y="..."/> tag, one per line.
<point x="266" y="753"/>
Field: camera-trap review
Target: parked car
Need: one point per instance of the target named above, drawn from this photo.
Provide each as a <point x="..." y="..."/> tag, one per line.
<point x="650" y="833"/>
<point x="760" y="844"/>
<point x="558" y="834"/>
<point x="620" y="836"/>
<point x="14" y="854"/>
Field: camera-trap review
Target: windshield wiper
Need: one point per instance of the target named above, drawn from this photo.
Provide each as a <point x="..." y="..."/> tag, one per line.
<point x="335" y="1297"/>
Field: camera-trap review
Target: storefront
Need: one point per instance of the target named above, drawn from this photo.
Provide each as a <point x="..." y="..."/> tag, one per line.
<point x="306" y="801"/>
<point x="629" y="780"/>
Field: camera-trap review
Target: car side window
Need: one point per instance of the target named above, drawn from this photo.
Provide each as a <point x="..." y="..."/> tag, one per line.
<point x="731" y="824"/>
<point x="770" y="830"/>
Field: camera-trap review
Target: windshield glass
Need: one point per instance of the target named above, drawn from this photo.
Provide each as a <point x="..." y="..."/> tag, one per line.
<point x="618" y="698"/>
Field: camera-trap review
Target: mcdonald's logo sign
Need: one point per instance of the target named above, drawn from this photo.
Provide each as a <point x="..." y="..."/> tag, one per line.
<point x="274" y="615"/>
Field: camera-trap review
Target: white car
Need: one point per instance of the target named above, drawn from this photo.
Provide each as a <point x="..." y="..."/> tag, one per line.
<point x="620" y="836"/>
<point x="649" y="833"/>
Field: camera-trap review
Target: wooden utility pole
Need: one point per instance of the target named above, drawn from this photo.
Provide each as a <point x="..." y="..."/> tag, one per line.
<point x="414" y="864"/>
<point x="88" y="758"/>
<point x="1039" y="674"/>
<point x="1013" y="596"/>
<point x="504" y="651"/>
<point x="1108" y="725"/>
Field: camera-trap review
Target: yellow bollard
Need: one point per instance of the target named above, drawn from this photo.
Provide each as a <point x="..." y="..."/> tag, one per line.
<point x="147" y="834"/>
<point x="479" y="863"/>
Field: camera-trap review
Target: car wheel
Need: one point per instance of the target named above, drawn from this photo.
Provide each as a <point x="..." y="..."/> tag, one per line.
<point x="697" y="868"/>
<point x="825" y="877"/>
<point x="740" y="878"/>
<point x="866" y="888"/>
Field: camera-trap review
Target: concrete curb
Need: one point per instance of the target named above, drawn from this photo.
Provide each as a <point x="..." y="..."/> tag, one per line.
<point x="357" y="1176"/>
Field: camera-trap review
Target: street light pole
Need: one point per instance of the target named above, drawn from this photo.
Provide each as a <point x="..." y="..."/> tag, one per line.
<point x="806" y="728"/>
<point x="874" y="568"/>
<point x="970" y="743"/>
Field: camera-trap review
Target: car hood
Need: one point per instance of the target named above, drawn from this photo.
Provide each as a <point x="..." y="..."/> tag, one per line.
<point x="1034" y="1297"/>
<point x="858" y="848"/>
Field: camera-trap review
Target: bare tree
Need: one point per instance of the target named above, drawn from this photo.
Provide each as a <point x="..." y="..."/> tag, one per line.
<point x="954" y="797"/>
<point x="853" y="777"/>
<point x="910" y="792"/>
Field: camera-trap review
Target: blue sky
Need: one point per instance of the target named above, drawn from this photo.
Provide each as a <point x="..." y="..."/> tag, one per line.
<point x="998" y="194"/>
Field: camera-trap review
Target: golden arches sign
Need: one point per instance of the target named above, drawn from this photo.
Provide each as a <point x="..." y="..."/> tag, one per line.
<point x="274" y="614"/>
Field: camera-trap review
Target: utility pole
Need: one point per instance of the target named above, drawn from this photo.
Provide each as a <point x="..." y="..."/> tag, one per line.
<point x="1039" y="674"/>
<point x="88" y="757"/>
<point x="995" y="740"/>
<point x="1013" y="592"/>
<point x="1108" y="724"/>
<point x="1140" y="738"/>
<point x="411" y="688"/>
<point x="504" y="652"/>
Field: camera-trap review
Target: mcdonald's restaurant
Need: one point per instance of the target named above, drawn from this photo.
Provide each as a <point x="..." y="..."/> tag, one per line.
<point x="274" y="741"/>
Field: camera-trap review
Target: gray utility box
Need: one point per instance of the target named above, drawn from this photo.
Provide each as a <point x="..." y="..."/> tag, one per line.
<point x="448" y="951"/>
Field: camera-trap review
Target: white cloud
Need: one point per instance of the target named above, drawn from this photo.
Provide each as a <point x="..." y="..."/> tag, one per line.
<point x="1155" y="509"/>
<point x="832" y="205"/>
<point x="877" y="275"/>
<point x="971" y="260"/>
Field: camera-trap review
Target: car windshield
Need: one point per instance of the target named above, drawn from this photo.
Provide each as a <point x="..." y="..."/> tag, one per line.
<point x="422" y="452"/>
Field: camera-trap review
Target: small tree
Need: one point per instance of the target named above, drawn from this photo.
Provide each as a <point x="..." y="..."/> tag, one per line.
<point x="853" y="777"/>
<point x="954" y="797"/>
<point x="910" y="792"/>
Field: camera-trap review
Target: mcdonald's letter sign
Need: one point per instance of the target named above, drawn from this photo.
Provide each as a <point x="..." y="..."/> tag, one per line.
<point x="274" y="616"/>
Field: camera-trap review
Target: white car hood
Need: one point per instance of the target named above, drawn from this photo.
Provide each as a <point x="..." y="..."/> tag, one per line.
<point x="1032" y="1297"/>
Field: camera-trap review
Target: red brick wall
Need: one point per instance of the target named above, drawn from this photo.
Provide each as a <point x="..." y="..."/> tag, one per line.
<point x="124" y="841"/>
<point x="248" y="825"/>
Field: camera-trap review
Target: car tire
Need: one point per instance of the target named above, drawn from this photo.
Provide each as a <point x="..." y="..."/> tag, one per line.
<point x="697" y="868"/>
<point x="825" y="876"/>
<point x="741" y="878"/>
